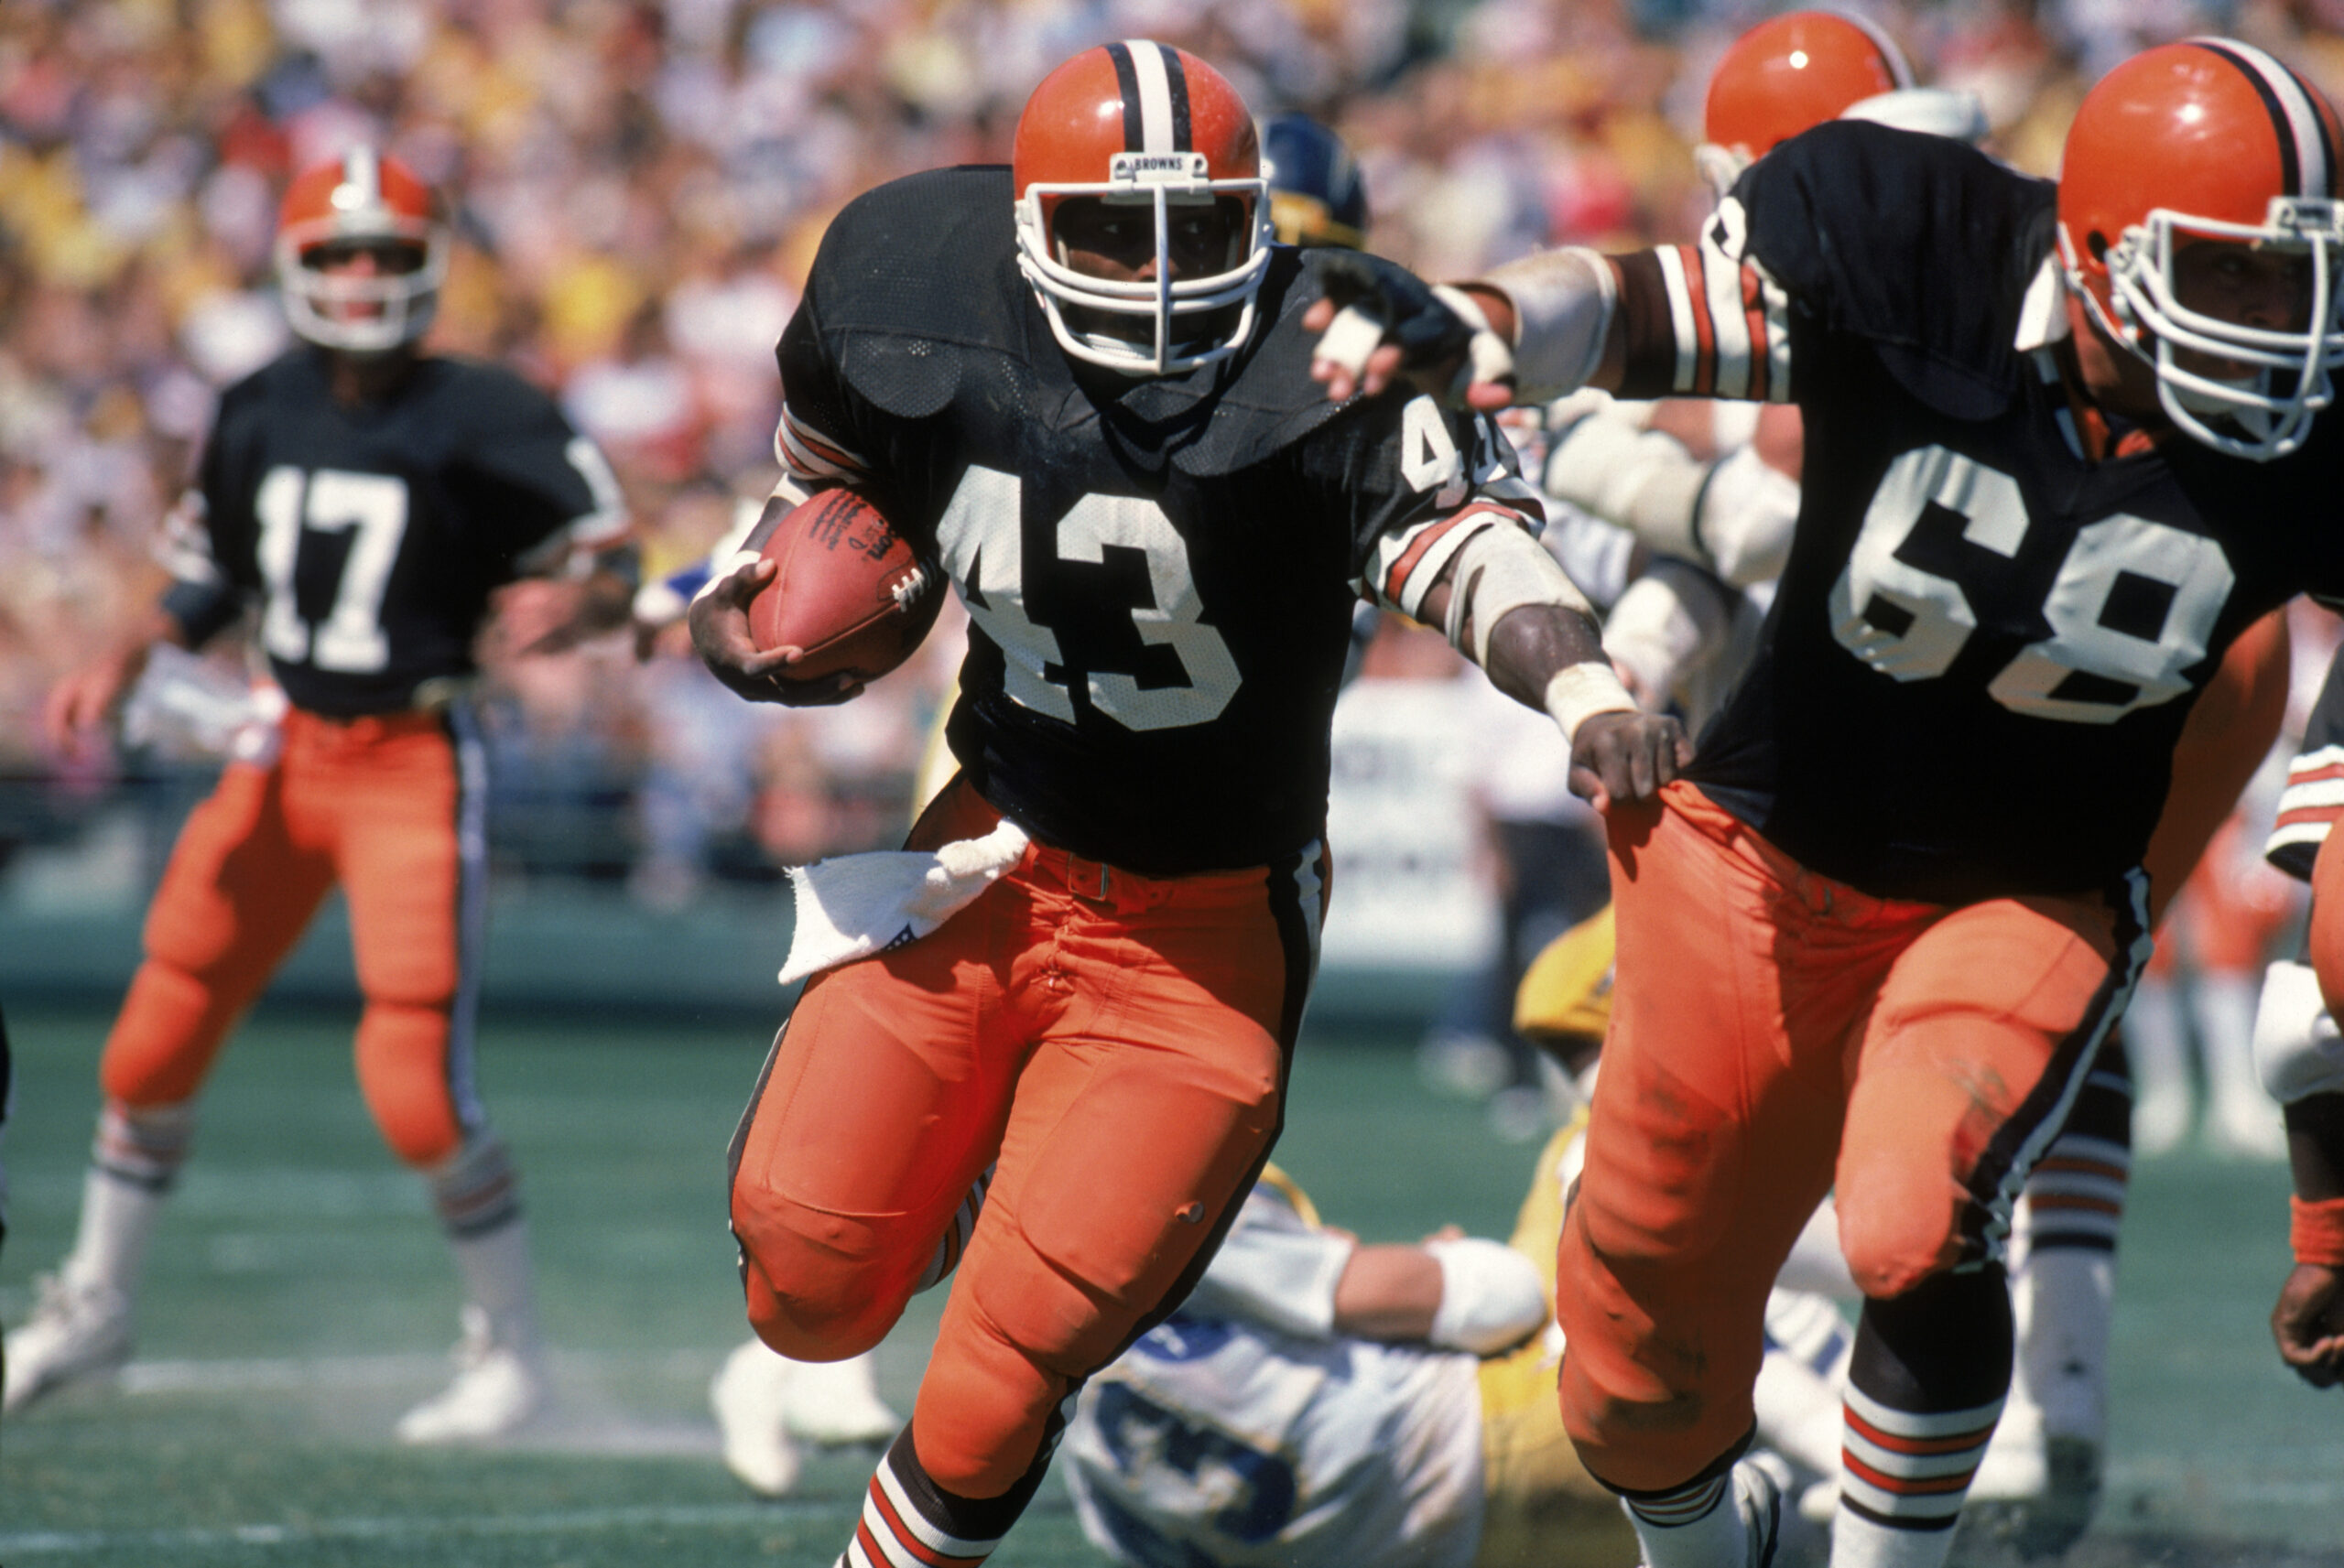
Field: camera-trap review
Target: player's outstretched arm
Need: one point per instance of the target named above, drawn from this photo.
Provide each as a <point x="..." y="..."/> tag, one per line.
<point x="1453" y="1292"/>
<point x="719" y="625"/>
<point x="1533" y="329"/>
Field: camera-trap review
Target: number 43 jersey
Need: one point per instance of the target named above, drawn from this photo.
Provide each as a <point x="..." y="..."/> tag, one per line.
<point x="1984" y="645"/>
<point x="372" y="536"/>
<point x="1159" y="573"/>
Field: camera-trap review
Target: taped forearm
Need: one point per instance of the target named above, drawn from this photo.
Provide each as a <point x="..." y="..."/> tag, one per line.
<point x="1496" y="571"/>
<point x="1563" y="302"/>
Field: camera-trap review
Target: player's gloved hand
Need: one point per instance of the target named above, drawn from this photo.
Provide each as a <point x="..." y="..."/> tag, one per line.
<point x="2308" y="1324"/>
<point x="1627" y="757"/>
<point x="1379" y="325"/>
<point x="720" y="624"/>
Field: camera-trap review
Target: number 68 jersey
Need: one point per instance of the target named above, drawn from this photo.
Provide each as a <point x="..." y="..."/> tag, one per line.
<point x="372" y="536"/>
<point x="1984" y="643"/>
<point x="1159" y="573"/>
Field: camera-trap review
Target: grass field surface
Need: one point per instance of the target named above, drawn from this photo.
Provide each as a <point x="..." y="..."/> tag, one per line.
<point x="299" y="1297"/>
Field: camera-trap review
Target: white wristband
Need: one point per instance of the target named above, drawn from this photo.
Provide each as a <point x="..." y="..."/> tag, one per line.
<point x="1580" y="692"/>
<point x="1491" y="1297"/>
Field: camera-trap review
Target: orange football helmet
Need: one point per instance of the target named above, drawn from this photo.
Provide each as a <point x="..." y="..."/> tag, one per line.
<point x="1794" y="71"/>
<point x="1148" y="126"/>
<point x="360" y="196"/>
<point x="2208" y="139"/>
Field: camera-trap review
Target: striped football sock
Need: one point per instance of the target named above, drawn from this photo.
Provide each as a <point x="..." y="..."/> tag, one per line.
<point x="909" y="1522"/>
<point x="955" y="1235"/>
<point x="1726" y="1516"/>
<point x="1925" y="1387"/>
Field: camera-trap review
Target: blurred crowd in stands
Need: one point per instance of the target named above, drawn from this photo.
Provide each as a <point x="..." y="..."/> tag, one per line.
<point x="639" y="189"/>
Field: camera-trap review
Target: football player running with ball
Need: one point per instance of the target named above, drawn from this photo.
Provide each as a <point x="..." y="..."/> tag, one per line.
<point x="1080" y="384"/>
<point x="2061" y="450"/>
<point x="368" y="500"/>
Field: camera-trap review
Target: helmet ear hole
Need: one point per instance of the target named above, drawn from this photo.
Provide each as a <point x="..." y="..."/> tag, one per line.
<point x="2097" y="244"/>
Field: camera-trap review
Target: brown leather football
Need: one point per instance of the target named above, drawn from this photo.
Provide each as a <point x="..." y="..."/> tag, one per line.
<point x="848" y="590"/>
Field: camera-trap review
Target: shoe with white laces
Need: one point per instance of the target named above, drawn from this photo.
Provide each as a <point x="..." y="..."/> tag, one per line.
<point x="76" y="1331"/>
<point x="497" y="1388"/>
<point x="749" y="1395"/>
<point x="836" y="1404"/>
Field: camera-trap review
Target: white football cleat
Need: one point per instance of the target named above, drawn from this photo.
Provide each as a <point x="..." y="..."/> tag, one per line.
<point x="497" y="1388"/>
<point x="748" y="1395"/>
<point x="77" y="1331"/>
<point x="837" y="1403"/>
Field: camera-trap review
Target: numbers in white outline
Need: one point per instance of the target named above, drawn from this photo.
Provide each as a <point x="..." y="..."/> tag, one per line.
<point x="350" y="640"/>
<point x="2193" y="566"/>
<point x="982" y="545"/>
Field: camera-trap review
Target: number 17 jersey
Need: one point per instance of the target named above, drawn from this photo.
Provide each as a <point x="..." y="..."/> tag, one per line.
<point x="371" y="535"/>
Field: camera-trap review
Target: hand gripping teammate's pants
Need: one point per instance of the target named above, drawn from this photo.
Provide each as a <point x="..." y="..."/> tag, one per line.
<point x="1776" y="1034"/>
<point x="1118" y="1042"/>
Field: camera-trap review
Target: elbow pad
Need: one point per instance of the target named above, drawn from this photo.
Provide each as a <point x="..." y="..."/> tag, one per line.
<point x="1646" y="482"/>
<point x="1563" y="302"/>
<point x="1743" y="521"/>
<point x="2297" y="1048"/>
<point x="1491" y="1297"/>
<point x="1670" y="622"/>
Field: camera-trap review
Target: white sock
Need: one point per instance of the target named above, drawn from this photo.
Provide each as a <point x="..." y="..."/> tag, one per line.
<point x="134" y="1160"/>
<point x="2062" y="1301"/>
<point x="2226" y="1005"/>
<point x="2161" y="1088"/>
<point x="118" y="1221"/>
<point x="477" y="1194"/>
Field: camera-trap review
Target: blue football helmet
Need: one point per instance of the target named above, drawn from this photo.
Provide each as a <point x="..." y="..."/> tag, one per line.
<point x="1316" y="197"/>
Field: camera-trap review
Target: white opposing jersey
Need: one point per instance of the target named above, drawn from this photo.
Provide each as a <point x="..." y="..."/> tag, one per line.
<point x="1239" y="1433"/>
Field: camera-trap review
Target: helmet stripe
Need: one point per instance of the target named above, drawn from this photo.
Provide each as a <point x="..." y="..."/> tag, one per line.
<point x="362" y="170"/>
<point x="1154" y="97"/>
<point x="1899" y="69"/>
<point x="1127" y="83"/>
<point x="1176" y="80"/>
<point x="2306" y="161"/>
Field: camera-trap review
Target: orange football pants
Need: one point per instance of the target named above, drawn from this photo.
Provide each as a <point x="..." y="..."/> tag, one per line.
<point x="1775" y="1035"/>
<point x="393" y="809"/>
<point x="1118" y="1042"/>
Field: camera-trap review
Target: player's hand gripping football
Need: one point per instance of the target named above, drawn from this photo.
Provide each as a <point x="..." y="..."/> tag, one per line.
<point x="719" y="625"/>
<point x="2308" y="1324"/>
<point x="1627" y="757"/>
<point x="1379" y="325"/>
